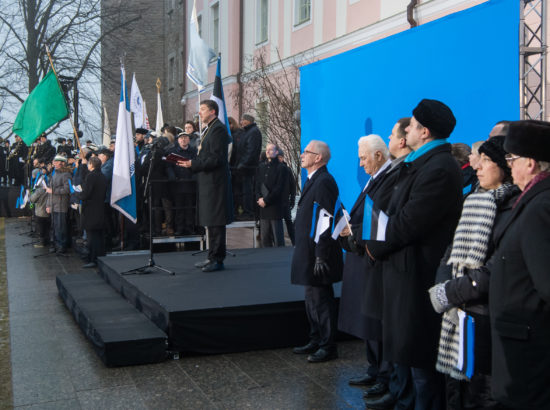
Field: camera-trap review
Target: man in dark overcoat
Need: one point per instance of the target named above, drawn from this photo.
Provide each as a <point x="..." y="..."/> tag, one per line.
<point x="183" y="186"/>
<point x="214" y="193"/>
<point x="271" y="181"/>
<point x="92" y="196"/>
<point x="519" y="290"/>
<point x="250" y="148"/>
<point x="360" y="312"/>
<point x="423" y="213"/>
<point x="316" y="266"/>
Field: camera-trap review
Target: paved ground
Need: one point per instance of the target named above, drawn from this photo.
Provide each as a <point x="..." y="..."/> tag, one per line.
<point x="46" y="363"/>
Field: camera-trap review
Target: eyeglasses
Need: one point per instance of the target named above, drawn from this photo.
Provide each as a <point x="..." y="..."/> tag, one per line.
<point x="310" y="152"/>
<point x="510" y="158"/>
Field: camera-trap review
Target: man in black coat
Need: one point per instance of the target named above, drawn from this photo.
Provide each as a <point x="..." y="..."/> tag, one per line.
<point x="249" y="148"/>
<point x="316" y="266"/>
<point x="519" y="290"/>
<point x="215" y="197"/>
<point x="93" y="194"/>
<point x="289" y="197"/>
<point x="183" y="186"/>
<point x="423" y="213"/>
<point x="270" y="185"/>
<point x="360" y="312"/>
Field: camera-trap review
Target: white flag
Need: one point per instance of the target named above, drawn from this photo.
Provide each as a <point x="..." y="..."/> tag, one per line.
<point x="123" y="189"/>
<point x="136" y="104"/>
<point x="199" y="54"/>
<point x="160" y="120"/>
<point x="323" y="223"/>
<point x="106" y="128"/>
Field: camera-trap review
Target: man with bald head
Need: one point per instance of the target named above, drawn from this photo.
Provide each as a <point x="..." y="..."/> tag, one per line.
<point x="316" y="266"/>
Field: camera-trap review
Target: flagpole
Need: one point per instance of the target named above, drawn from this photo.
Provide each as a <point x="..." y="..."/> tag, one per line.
<point x="70" y="119"/>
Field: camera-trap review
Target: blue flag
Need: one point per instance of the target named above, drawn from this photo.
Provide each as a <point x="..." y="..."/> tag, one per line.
<point x="217" y="95"/>
<point x="374" y="222"/>
<point x="123" y="190"/>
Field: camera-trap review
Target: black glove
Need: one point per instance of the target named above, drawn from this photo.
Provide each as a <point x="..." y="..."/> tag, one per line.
<point x="320" y="268"/>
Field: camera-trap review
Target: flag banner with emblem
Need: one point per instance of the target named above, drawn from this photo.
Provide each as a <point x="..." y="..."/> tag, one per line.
<point x="341" y="218"/>
<point x="375" y="222"/>
<point x="44" y="107"/>
<point x="137" y="105"/>
<point x="123" y="191"/>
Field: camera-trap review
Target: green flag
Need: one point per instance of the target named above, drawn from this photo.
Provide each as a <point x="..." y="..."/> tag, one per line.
<point x="44" y="107"/>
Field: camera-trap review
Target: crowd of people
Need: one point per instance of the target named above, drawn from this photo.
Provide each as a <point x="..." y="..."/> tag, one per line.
<point x="445" y="275"/>
<point x="67" y="206"/>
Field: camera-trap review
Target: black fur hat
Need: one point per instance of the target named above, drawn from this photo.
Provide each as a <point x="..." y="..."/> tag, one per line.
<point x="435" y="116"/>
<point x="529" y="138"/>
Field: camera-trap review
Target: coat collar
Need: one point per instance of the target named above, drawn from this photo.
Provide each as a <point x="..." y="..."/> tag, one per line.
<point x="310" y="182"/>
<point x="542" y="186"/>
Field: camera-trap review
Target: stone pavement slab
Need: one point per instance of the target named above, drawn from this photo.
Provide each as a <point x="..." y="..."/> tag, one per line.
<point x="53" y="366"/>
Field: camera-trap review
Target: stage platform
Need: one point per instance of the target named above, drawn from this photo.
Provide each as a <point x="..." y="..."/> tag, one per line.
<point x="250" y="305"/>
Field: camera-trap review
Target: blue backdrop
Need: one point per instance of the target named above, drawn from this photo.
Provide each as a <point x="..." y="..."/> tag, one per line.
<point x="469" y="60"/>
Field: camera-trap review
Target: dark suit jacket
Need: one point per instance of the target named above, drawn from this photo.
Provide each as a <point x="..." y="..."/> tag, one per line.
<point x="215" y="204"/>
<point x="93" y="198"/>
<point x="423" y="213"/>
<point x="321" y="188"/>
<point x="519" y="303"/>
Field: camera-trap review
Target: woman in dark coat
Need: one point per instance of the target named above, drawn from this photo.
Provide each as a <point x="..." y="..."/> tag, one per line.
<point x="468" y="285"/>
<point x="93" y="198"/>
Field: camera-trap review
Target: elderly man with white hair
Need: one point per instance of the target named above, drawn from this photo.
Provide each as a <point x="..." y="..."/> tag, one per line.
<point x="360" y="304"/>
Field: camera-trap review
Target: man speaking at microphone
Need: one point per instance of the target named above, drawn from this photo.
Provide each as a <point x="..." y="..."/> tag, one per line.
<point x="214" y="193"/>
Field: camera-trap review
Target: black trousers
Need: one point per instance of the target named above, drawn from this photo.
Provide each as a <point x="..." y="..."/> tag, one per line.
<point x="378" y="368"/>
<point x="216" y="243"/>
<point x="43" y="225"/>
<point x="401" y="387"/>
<point x="272" y="233"/>
<point x="96" y="244"/>
<point x="321" y="314"/>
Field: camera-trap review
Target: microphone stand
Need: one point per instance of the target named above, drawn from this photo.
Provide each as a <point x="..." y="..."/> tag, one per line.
<point x="151" y="265"/>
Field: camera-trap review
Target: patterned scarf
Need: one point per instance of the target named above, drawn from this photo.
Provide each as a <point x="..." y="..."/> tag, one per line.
<point x="469" y="250"/>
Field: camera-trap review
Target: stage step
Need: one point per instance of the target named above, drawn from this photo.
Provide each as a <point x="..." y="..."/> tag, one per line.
<point x="120" y="334"/>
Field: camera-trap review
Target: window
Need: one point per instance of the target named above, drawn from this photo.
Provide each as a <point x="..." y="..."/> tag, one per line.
<point x="261" y="20"/>
<point x="302" y="11"/>
<point x="215" y="12"/>
<point x="171" y="71"/>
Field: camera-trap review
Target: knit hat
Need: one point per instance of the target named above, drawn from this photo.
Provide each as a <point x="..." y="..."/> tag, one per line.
<point x="141" y="131"/>
<point x="435" y="116"/>
<point x="494" y="149"/>
<point x="529" y="138"/>
<point x="248" y="117"/>
<point x="59" y="157"/>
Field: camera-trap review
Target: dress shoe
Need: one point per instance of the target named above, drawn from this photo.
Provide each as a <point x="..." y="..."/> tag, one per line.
<point x="213" y="266"/>
<point x="89" y="265"/>
<point x="366" y="380"/>
<point x="61" y="252"/>
<point x="202" y="264"/>
<point x="52" y="249"/>
<point x="323" y="355"/>
<point x="387" y="401"/>
<point x="307" y="349"/>
<point x="376" y="390"/>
